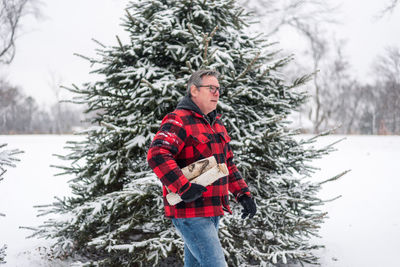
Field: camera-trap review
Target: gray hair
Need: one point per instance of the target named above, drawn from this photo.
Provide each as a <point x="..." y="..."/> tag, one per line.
<point x="196" y="78"/>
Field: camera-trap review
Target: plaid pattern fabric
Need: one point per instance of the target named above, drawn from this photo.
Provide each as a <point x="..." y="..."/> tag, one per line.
<point x="186" y="137"/>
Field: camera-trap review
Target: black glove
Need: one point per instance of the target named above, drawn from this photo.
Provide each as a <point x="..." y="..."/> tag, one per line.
<point x="194" y="192"/>
<point x="249" y="206"/>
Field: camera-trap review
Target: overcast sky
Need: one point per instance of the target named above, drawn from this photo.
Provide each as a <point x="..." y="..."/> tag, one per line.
<point x="45" y="48"/>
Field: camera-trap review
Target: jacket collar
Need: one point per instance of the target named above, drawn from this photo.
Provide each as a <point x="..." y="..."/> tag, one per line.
<point x="187" y="103"/>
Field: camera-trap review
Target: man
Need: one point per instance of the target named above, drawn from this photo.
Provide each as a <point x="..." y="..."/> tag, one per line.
<point x="194" y="131"/>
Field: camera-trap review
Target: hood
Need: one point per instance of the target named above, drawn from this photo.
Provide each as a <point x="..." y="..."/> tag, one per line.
<point x="187" y="103"/>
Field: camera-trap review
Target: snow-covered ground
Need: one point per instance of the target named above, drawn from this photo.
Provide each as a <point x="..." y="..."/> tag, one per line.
<point x="31" y="183"/>
<point x="364" y="225"/>
<point x="363" y="228"/>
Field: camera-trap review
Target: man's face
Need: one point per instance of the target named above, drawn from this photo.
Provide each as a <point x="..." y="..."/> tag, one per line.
<point x="203" y="97"/>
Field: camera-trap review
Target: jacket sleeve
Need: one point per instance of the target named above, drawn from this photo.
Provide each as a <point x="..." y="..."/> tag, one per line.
<point x="167" y="143"/>
<point x="236" y="183"/>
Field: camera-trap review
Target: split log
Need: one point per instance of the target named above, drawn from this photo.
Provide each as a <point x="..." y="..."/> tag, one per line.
<point x="203" y="172"/>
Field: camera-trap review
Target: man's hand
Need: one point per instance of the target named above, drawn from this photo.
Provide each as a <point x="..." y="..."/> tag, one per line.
<point x="194" y="192"/>
<point x="249" y="206"/>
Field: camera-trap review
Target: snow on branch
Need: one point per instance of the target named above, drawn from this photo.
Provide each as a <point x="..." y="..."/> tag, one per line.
<point x="7" y="158"/>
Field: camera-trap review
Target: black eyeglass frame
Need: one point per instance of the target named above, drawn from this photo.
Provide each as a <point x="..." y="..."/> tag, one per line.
<point x="213" y="89"/>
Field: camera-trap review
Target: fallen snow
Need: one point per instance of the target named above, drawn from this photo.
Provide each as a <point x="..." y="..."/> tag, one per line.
<point x="364" y="225"/>
<point x="363" y="228"/>
<point x="31" y="183"/>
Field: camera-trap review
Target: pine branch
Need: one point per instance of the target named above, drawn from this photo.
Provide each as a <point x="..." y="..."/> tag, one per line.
<point x="325" y="133"/>
<point x="7" y="156"/>
<point x="332" y="199"/>
<point x="98" y="42"/>
<point x="189" y="66"/>
<point x="206" y="40"/>
<point x="247" y="68"/>
<point x="302" y="80"/>
<point x="148" y="83"/>
<point x="92" y="61"/>
<point x="334" y="178"/>
<point x="131" y="19"/>
<point x="120" y="43"/>
<point x="189" y="26"/>
<point x="213" y="32"/>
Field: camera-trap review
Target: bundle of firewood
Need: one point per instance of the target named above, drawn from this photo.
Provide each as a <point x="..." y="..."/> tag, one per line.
<point x="203" y="172"/>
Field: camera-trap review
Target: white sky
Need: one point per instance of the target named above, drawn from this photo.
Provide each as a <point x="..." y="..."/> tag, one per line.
<point x="45" y="48"/>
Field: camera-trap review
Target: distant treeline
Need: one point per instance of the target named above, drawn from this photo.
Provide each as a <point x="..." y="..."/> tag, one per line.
<point x="358" y="107"/>
<point x="20" y="114"/>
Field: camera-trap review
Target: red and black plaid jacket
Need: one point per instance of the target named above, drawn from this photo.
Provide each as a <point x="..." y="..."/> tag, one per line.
<point x="186" y="136"/>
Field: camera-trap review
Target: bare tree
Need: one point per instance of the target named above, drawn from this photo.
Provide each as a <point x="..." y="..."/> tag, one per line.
<point x="275" y="14"/>
<point x="336" y="88"/>
<point x="318" y="50"/>
<point x="379" y="108"/>
<point x="387" y="69"/>
<point x="367" y="111"/>
<point x="11" y="13"/>
<point x="55" y="85"/>
<point x="308" y="18"/>
<point x="388" y="9"/>
<point x="387" y="66"/>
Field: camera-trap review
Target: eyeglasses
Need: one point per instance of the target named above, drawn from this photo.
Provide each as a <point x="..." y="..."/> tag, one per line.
<point x="213" y="89"/>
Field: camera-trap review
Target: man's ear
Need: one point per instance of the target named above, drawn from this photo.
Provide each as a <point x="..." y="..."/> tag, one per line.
<point x="194" y="90"/>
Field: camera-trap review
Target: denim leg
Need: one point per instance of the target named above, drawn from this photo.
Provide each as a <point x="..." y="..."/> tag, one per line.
<point x="190" y="260"/>
<point x="202" y="245"/>
<point x="216" y="221"/>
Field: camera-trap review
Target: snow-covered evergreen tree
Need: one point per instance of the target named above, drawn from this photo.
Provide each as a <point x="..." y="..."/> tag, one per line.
<point x="7" y="159"/>
<point x="115" y="216"/>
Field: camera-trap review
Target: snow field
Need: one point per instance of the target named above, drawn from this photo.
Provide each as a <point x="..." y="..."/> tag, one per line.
<point x="363" y="228"/>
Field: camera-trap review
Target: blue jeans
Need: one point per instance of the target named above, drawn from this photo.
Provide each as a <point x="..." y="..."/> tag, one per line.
<point x="202" y="245"/>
